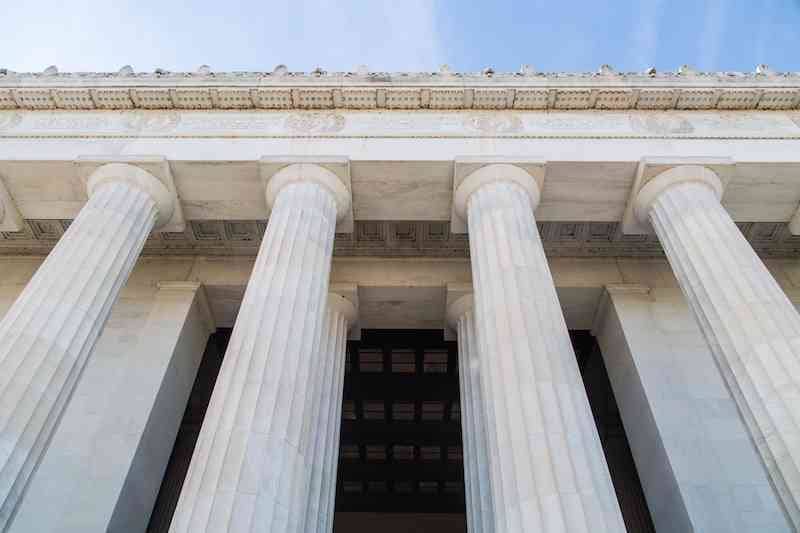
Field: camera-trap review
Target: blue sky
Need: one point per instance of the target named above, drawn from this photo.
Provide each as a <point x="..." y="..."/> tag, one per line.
<point x="550" y="35"/>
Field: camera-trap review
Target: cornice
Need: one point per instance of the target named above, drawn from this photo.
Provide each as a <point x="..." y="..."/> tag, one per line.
<point x="527" y="89"/>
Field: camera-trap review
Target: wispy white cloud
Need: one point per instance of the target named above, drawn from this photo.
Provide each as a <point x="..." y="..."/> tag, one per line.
<point x="236" y="34"/>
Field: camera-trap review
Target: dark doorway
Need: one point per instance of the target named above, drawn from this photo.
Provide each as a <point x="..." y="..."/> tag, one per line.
<point x="400" y="456"/>
<point x="400" y="449"/>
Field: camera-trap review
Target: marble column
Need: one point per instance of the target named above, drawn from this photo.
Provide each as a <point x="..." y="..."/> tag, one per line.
<point x="480" y="510"/>
<point x="49" y="332"/>
<point x="251" y="467"/>
<point x="548" y="471"/>
<point x="327" y="415"/>
<point x="752" y="328"/>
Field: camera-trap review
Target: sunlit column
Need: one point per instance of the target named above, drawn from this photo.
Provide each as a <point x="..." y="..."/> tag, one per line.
<point x="251" y="468"/>
<point x="477" y="485"/>
<point x="327" y="416"/>
<point x="548" y="471"/>
<point x="752" y="328"/>
<point x="50" y="331"/>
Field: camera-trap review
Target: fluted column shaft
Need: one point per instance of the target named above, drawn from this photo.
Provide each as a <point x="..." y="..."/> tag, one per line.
<point x="49" y="332"/>
<point x="480" y="509"/>
<point x="548" y="471"/>
<point x="251" y="468"/>
<point x="752" y="328"/>
<point x="327" y="416"/>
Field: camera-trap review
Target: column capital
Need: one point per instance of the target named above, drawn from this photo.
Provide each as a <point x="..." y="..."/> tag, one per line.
<point x="332" y="173"/>
<point x="10" y="219"/>
<point x="339" y="304"/>
<point x="458" y="308"/>
<point x="138" y="178"/>
<point x="654" y="175"/>
<point x="140" y="171"/>
<point x="492" y="173"/>
<point x="669" y="178"/>
<point x="470" y="174"/>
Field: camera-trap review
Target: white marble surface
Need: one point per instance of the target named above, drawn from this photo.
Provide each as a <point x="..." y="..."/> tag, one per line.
<point x="547" y="468"/>
<point x="406" y="177"/>
<point x="477" y="478"/>
<point x="50" y="331"/>
<point x="251" y="467"/>
<point x="104" y="465"/>
<point x="699" y="469"/>
<point x="326" y="420"/>
<point x="748" y="321"/>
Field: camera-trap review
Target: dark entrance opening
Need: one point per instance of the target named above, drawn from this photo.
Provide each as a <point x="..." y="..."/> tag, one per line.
<point x="400" y="456"/>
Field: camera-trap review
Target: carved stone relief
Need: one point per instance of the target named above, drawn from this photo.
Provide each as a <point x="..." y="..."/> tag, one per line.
<point x="308" y="123"/>
<point x="661" y="124"/>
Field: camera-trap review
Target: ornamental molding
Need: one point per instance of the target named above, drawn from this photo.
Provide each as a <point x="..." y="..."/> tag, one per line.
<point x="372" y="238"/>
<point x="685" y="90"/>
<point x="174" y="124"/>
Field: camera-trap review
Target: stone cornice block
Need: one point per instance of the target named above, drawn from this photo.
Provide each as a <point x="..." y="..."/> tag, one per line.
<point x="464" y="166"/>
<point x="10" y="218"/>
<point x="156" y="165"/>
<point x="650" y="167"/>
<point x="349" y="291"/>
<point x="399" y="90"/>
<point x="339" y="165"/>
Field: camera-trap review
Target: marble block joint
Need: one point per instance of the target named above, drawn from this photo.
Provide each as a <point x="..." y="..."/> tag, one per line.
<point x="547" y="468"/>
<point x="51" y="329"/>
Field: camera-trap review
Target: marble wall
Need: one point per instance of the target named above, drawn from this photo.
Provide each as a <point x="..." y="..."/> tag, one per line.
<point x="104" y="464"/>
<point x="698" y="466"/>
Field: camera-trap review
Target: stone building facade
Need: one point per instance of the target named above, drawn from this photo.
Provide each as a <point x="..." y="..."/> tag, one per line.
<point x="216" y="291"/>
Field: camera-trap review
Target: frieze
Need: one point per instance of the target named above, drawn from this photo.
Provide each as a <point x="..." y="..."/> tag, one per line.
<point x="400" y="124"/>
<point x="400" y="239"/>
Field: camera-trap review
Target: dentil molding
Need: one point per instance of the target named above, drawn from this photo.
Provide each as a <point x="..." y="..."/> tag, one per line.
<point x="527" y="89"/>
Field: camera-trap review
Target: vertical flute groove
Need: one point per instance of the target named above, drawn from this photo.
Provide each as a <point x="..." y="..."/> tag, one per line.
<point x="49" y="332"/>
<point x="547" y="468"/>
<point x="752" y="328"/>
<point x="327" y="419"/>
<point x="480" y="512"/>
<point x="251" y="469"/>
